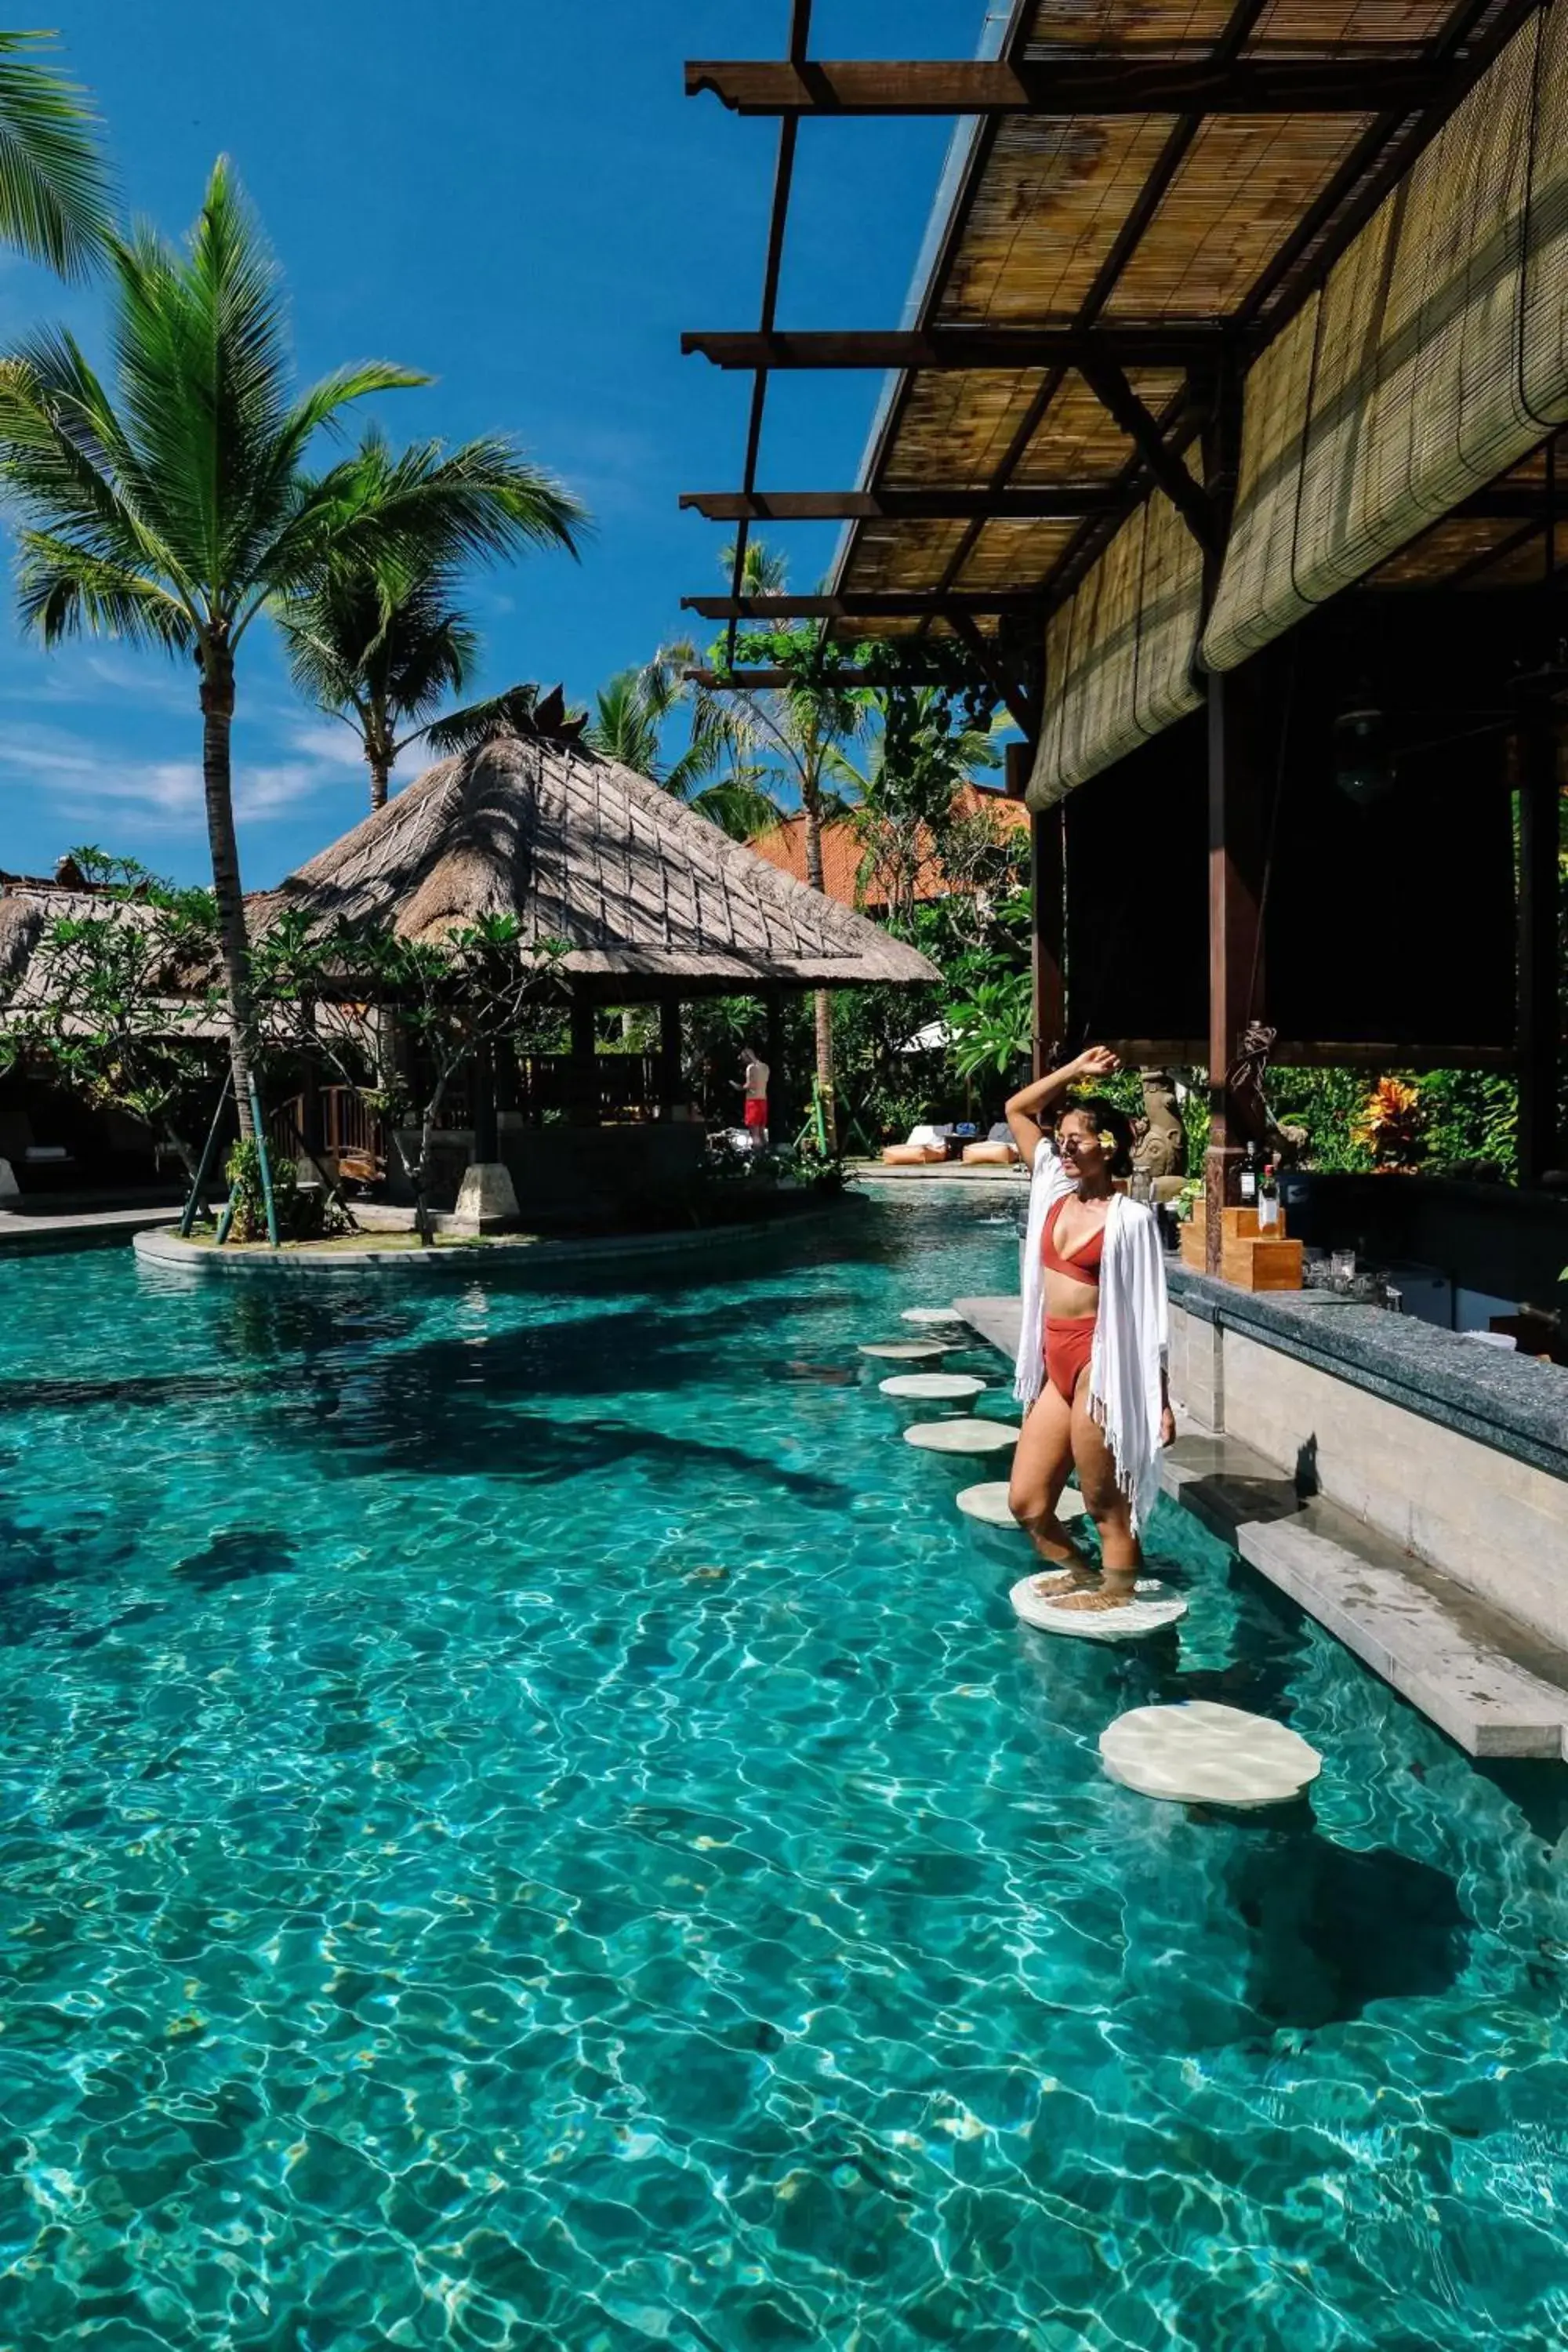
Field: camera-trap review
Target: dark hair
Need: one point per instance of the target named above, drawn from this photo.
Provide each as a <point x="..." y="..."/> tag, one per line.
<point x="1111" y="1122"/>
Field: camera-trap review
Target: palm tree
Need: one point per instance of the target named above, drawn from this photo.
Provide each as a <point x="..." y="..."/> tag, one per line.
<point x="380" y="642"/>
<point x="801" y="729"/>
<point x="176" y="511"/>
<point x="54" y="189"/>
<point x="629" y="725"/>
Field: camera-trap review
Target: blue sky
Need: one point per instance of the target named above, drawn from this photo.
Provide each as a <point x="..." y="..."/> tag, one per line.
<point x="514" y="195"/>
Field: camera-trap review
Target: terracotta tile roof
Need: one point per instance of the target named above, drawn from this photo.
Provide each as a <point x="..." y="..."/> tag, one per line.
<point x="844" y="853"/>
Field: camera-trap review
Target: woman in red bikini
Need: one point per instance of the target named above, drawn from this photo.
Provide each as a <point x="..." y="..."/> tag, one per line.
<point x="1073" y="1151"/>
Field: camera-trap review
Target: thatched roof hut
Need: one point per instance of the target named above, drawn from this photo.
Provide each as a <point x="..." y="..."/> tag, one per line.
<point x="650" y="899"/>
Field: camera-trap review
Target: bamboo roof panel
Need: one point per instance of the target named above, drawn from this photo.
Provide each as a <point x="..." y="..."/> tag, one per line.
<point x="1240" y="190"/>
<point x="1009" y="551"/>
<point x="1104" y="219"/>
<point x="1046" y="215"/>
<point x="1076" y="441"/>
<point x="906" y="555"/>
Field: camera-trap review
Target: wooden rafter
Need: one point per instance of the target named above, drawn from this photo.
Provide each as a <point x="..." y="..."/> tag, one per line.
<point x="1054" y="502"/>
<point x="1097" y="85"/>
<point x="881" y="604"/>
<point x="1055" y="342"/>
<point x="1119" y="400"/>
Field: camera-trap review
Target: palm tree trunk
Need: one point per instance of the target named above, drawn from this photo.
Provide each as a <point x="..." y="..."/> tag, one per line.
<point x="218" y="720"/>
<point x="822" y="1004"/>
<point x="380" y="776"/>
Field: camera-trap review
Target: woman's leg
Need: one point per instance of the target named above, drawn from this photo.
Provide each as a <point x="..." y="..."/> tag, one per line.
<point x="1040" y="1464"/>
<point x="1121" y="1556"/>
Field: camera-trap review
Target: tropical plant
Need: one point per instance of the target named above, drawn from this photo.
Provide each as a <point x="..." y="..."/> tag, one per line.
<point x="176" y="513"/>
<point x="54" y="189"/>
<point x="1390" y="1124"/>
<point x="992" y="1025"/>
<point x="378" y="637"/>
<point x="122" y="1002"/>
<point x="454" y="1000"/>
<point x="911" y="814"/>
<point x="712" y="775"/>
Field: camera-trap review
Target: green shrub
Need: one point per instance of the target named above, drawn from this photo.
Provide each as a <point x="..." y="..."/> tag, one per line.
<point x="304" y="1212"/>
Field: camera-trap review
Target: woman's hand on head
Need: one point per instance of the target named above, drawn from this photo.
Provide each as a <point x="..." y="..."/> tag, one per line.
<point x="1097" y="1062"/>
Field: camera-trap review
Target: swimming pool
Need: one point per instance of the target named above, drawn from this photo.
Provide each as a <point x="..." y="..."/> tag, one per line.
<point x="526" y="1820"/>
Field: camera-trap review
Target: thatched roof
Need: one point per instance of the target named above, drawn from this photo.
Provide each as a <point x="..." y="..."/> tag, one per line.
<point x="580" y="849"/>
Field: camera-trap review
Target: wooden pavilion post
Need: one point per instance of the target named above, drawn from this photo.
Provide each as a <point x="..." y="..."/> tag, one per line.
<point x="1236" y="740"/>
<point x="1047" y="1021"/>
<point x="1539" y="1008"/>
<point x="781" y="1126"/>
<point x="583" y="1088"/>
<point x="487" y="1138"/>
<point x="1047" y="925"/>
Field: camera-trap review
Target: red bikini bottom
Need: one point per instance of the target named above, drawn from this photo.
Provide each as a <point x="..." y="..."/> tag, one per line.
<point x="1070" y="1344"/>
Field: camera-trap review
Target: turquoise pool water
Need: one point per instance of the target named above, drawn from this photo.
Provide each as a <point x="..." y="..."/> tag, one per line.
<point x="526" y="1820"/>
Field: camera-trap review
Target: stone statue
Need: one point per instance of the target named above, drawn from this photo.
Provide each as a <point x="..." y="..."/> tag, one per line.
<point x="1160" y="1142"/>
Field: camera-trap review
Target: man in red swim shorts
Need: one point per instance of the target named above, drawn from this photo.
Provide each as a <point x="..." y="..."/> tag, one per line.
<point x="754" y="1081"/>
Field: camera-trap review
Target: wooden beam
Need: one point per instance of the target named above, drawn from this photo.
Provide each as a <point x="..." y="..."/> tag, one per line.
<point x="1048" y="937"/>
<point x="1237" y="764"/>
<point x="887" y="604"/>
<point x="1105" y="84"/>
<point x="1122" y="403"/>
<point x="1052" y="343"/>
<point x="1539" y="1014"/>
<point x="763" y="675"/>
<point x="1053" y="502"/>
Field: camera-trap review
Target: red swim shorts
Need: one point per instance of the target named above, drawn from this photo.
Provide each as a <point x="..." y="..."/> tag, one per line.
<point x="1070" y="1344"/>
<point x="756" y="1111"/>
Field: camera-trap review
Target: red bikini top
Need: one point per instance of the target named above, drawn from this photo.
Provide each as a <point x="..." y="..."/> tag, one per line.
<point x="1085" y="1267"/>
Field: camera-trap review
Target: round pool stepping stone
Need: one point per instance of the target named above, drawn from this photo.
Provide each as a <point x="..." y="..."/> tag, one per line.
<point x="1205" y="1754"/>
<point x="963" y="1436"/>
<point x="907" y="1351"/>
<point x="989" y="1503"/>
<point x="948" y="1385"/>
<point x="934" y="1315"/>
<point x="1154" y="1608"/>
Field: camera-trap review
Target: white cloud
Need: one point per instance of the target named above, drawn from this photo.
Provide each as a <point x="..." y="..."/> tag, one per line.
<point x="85" y="780"/>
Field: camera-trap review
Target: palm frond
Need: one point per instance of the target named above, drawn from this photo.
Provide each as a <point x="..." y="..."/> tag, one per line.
<point x="64" y="589"/>
<point x="54" y="189"/>
<point x="466" y="729"/>
<point x="625" y="724"/>
<point x="739" y="806"/>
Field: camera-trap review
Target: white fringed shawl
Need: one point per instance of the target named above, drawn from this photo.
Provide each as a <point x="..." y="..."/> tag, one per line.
<point x="1130" y="1333"/>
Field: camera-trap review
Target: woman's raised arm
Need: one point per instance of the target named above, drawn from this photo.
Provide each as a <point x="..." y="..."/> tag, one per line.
<point x="1095" y="1061"/>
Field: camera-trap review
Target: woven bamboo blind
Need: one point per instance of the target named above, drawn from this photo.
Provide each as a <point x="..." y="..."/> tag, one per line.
<point x="1119" y="653"/>
<point x="1435" y="356"/>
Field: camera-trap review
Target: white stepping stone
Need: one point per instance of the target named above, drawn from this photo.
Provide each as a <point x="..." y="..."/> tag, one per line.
<point x="907" y="1351"/>
<point x="950" y="1385"/>
<point x="962" y="1435"/>
<point x="989" y="1501"/>
<point x="936" y="1315"/>
<point x="1205" y="1754"/>
<point x="1150" y="1613"/>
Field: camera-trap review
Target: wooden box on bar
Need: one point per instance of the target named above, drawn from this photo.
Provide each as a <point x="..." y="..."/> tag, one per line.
<point x="1247" y="1258"/>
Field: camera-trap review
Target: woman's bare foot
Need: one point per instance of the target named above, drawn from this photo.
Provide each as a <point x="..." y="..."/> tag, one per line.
<point x="1076" y="1579"/>
<point x="1106" y="1596"/>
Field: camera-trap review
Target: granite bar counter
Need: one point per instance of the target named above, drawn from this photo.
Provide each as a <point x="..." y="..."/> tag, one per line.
<point x="1492" y="1394"/>
<point x="1455" y="1451"/>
